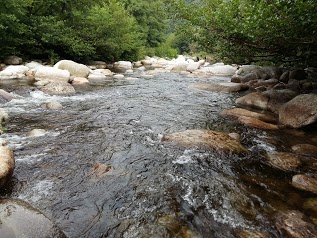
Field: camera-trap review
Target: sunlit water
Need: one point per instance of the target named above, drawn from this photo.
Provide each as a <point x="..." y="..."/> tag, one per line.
<point x="150" y="189"/>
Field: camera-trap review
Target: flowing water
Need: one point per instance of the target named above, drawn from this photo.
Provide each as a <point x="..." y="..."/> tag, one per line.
<point x="102" y="171"/>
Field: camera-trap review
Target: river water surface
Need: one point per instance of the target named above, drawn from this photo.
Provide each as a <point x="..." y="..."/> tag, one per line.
<point x="102" y="170"/>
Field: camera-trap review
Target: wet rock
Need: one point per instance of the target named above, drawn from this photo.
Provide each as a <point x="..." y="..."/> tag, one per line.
<point x="251" y="234"/>
<point x="97" y="77"/>
<point x="294" y="224"/>
<point x="266" y="83"/>
<point x="305" y="149"/>
<point x="19" y="219"/>
<point x="310" y="205"/>
<point x="277" y="98"/>
<point x="7" y="164"/>
<point x="236" y="79"/>
<point x="218" y="141"/>
<point x="52" y="74"/>
<point x="99" y="169"/>
<point x="13" y="60"/>
<point x="36" y="133"/>
<point x="221" y="87"/>
<point x="247" y="69"/>
<point x="237" y="112"/>
<point x="75" y="69"/>
<point x="279" y="86"/>
<point x="305" y="183"/>
<point x="53" y="105"/>
<point x="58" y="88"/>
<point x="41" y="83"/>
<point x="235" y="136"/>
<point x="254" y="99"/>
<point x="7" y="96"/>
<point x="256" y="123"/>
<point x="79" y="81"/>
<point x="13" y="72"/>
<point x="300" y="111"/>
<point x="294" y="85"/>
<point x="284" y="161"/>
<point x="122" y="66"/>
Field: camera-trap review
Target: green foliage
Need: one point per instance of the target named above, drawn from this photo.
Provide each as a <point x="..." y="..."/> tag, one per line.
<point x="80" y="30"/>
<point x="254" y="30"/>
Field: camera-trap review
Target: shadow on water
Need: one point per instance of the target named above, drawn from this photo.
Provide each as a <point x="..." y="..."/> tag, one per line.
<point x="102" y="171"/>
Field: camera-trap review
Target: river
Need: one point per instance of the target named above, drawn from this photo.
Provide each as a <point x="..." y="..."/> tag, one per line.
<point x="102" y="171"/>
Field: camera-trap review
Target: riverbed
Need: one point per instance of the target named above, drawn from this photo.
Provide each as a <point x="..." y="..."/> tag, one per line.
<point x="102" y="170"/>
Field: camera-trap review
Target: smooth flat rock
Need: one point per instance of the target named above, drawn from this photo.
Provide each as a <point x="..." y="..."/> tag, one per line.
<point x="58" y="88"/>
<point x="256" y="123"/>
<point x="305" y="149"/>
<point x="255" y="99"/>
<point x="18" y="219"/>
<point x="237" y="112"/>
<point x="218" y="141"/>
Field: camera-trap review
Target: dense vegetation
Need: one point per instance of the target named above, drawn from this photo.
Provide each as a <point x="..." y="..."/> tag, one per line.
<point x="239" y="31"/>
<point x="245" y="31"/>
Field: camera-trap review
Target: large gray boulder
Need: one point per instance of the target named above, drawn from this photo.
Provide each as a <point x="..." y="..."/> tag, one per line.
<point x="75" y="69"/>
<point x="122" y="66"/>
<point x="7" y="164"/>
<point x="300" y="111"/>
<point x="20" y="219"/>
<point x="52" y="74"/>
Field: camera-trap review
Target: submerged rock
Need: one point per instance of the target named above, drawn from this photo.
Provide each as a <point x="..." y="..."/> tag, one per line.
<point x="8" y="96"/>
<point x="53" y="105"/>
<point x="305" y="149"/>
<point x="218" y="141"/>
<point x="37" y="133"/>
<point x="221" y="87"/>
<point x="19" y="219"/>
<point x="237" y="112"/>
<point x="58" y="88"/>
<point x="284" y="161"/>
<point x="256" y="123"/>
<point x="294" y="224"/>
<point x="7" y="164"/>
<point x="251" y="234"/>
<point x="305" y="183"/>
<point x="300" y="111"/>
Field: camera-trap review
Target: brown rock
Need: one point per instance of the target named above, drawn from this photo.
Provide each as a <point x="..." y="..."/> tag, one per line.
<point x="248" y="77"/>
<point x="256" y="123"/>
<point x="294" y="224"/>
<point x="236" y="79"/>
<point x="298" y="74"/>
<point x="237" y="112"/>
<point x="305" y="183"/>
<point x="211" y="139"/>
<point x="284" y="161"/>
<point x="7" y="164"/>
<point x="284" y="77"/>
<point x="221" y="87"/>
<point x="305" y="149"/>
<point x="255" y="99"/>
<point x="251" y="234"/>
<point x="277" y="98"/>
<point x="300" y="111"/>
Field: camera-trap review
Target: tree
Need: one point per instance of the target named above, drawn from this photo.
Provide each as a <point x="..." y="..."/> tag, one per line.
<point x="255" y="30"/>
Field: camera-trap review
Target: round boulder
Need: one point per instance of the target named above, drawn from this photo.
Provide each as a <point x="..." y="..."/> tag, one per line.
<point x="37" y="133"/>
<point x="58" y="88"/>
<point x="7" y="164"/>
<point x="300" y="111"/>
<point x="75" y="69"/>
<point x="53" y="105"/>
<point x="122" y="66"/>
<point x="13" y="60"/>
<point x="19" y="219"/>
<point x="52" y="74"/>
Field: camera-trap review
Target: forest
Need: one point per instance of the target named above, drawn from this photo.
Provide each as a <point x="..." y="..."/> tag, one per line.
<point x="279" y="32"/>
